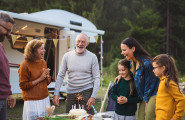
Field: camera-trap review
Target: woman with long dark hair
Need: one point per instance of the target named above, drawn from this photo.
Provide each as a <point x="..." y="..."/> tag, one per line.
<point x="145" y="80"/>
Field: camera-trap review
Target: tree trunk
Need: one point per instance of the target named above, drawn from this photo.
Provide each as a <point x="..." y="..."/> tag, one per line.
<point x="168" y="28"/>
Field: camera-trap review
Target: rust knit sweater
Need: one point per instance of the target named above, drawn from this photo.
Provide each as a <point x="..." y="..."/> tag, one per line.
<point x="28" y="72"/>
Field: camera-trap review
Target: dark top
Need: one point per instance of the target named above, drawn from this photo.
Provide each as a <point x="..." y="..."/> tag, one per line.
<point x="123" y="89"/>
<point x="5" y="88"/>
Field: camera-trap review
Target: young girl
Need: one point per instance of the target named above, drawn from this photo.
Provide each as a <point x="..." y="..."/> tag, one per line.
<point x="124" y="93"/>
<point x="170" y="102"/>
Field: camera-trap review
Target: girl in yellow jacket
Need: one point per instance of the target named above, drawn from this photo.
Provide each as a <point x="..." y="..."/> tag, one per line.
<point x="170" y="102"/>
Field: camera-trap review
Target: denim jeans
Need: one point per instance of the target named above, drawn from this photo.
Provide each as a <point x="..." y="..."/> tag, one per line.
<point x="72" y="100"/>
<point x="3" y="108"/>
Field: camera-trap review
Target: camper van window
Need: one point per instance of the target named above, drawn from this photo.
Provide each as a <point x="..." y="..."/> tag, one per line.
<point x="77" y="24"/>
<point x="19" y="44"/>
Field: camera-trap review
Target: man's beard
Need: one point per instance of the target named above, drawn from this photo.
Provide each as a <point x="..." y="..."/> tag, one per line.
<point x="80" y="50"/>
<point x="2" y="37"/>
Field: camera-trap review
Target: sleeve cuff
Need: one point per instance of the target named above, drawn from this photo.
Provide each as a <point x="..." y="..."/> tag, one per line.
<point x="56" y="92"/>
<point x="94" y="96"/>
<point x="145" y="99"/>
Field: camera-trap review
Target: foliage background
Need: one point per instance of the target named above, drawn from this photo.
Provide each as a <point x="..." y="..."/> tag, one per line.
<point x="158" y="25"/>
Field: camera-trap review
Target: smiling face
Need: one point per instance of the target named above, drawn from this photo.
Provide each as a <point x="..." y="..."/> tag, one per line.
<point x="123" y="71"/>
<point x="40" y="52"/>
<point x="81" y="43"/>
<point x="158" y="70"/>
<point x="127" y="52"/>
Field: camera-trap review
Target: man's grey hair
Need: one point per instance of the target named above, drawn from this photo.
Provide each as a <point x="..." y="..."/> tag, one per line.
<point x="6" y="18"/>
<point x="82" y="34"/>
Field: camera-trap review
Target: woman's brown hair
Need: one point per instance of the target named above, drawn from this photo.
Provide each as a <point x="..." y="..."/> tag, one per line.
<point x="31" y="49"/>
<point x="170" y="68"/>
<point x="126" y="63"/>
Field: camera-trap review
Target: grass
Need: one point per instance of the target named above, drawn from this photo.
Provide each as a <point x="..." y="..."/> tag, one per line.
<point x="181" y="79"/>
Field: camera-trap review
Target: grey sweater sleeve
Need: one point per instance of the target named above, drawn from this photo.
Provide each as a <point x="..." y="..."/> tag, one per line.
<point x="61" y="75"/>
<point x="96" y="77"/>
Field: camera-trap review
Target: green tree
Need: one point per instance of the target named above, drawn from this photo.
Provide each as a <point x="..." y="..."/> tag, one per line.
<point x="174" y="22"/>
<point x="145" y="29"/>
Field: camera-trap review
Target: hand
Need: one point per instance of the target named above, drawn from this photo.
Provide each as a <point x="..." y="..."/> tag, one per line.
<point x="119" y="100"/>
<point x="117" y="79"/>
<point x="56" y="100"/>
<point x="11" y="101"/>
<point x="90" y="102"/>
<point x="47" y="72"/>
<point x="125" y="100"/>
<point x="171" y="119"/>
<point x="43" y="75"/>
<point x="122" y="100"/>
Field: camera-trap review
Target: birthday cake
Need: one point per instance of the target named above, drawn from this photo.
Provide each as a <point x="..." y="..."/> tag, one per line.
<point x="77" y="112"/>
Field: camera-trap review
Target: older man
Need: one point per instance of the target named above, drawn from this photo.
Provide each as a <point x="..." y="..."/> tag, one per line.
<point x="6" y="25"/>
<point x="83" y="76"/>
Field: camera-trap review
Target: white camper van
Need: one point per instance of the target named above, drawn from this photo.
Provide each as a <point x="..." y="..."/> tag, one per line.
<point x="58" y="28"/>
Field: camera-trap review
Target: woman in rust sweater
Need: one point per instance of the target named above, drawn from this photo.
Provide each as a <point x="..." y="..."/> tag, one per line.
<point x="33" y="80"/>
